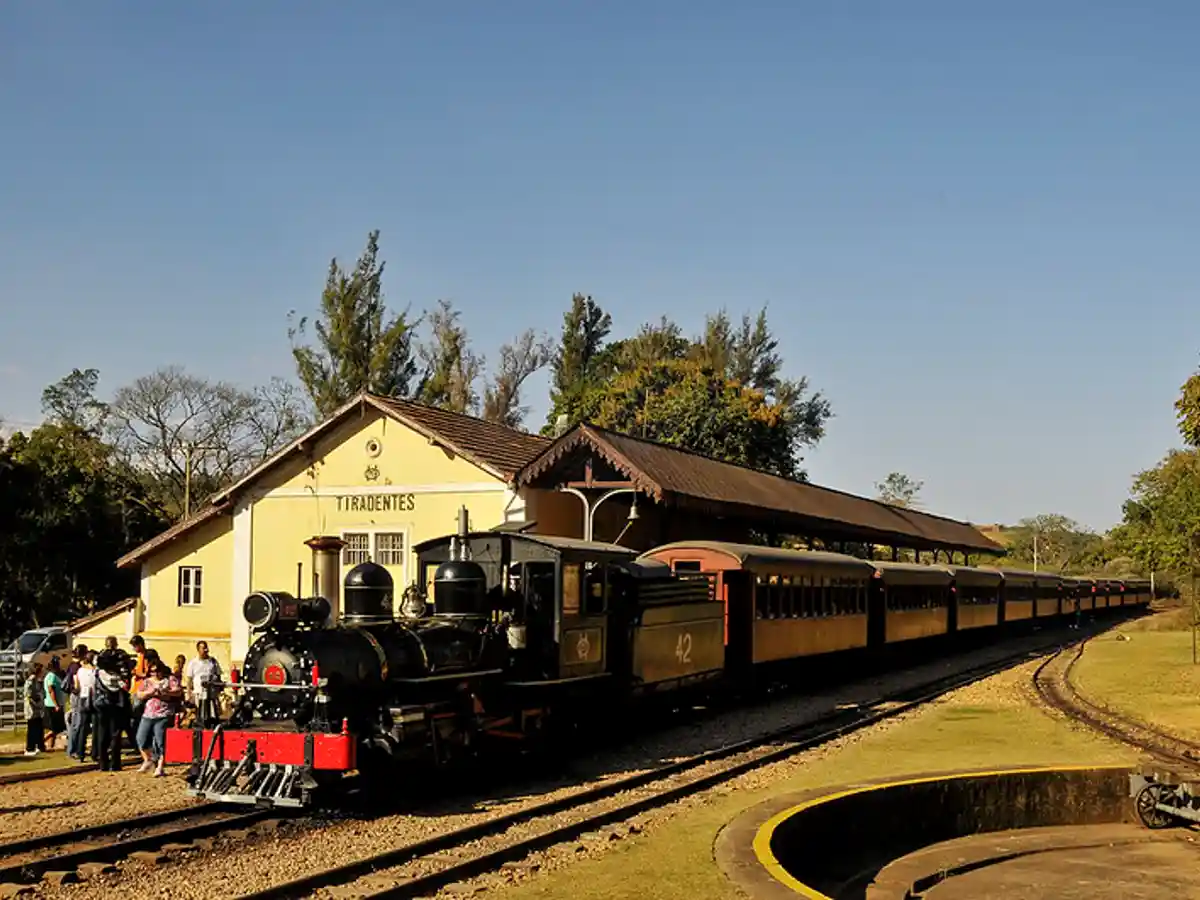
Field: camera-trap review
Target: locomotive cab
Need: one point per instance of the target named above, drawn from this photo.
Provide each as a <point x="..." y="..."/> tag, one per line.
<point x="551" y="595"/>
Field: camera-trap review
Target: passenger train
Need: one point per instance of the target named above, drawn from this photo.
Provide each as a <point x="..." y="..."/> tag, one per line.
<point x="505" y="633"/>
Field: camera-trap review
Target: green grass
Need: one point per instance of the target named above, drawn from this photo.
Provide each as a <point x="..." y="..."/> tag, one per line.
<point x="11" y="763"/>
<point x="1149" y="677"/>
<point x="676" y="859"/>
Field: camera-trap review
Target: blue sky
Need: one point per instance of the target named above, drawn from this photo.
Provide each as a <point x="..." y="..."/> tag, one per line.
<point x="974" y="227"/>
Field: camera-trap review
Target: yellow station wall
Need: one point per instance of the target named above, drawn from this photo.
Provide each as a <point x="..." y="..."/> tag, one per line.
<point x="410" y="487"/>
<point x="172" y="629"/>
<point x="371" y="474"/>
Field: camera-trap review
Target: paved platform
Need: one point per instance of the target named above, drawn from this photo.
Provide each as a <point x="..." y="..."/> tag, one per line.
<point x="1088" y="862"/>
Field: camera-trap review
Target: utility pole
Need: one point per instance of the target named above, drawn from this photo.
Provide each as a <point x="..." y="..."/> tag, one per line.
<point x="1035" y="551"/>
<point x="188" y="450"/>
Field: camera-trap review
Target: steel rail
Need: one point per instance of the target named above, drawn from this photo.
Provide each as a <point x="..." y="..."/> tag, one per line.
<point x="101" y="829"/>
<point x="30" y="871"/>
<point x="1062" y="695"/>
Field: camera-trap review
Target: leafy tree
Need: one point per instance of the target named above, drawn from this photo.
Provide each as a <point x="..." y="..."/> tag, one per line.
<point x="749" y="355"/>
<point x="576" y="361"/>
<point x="1162" y="517"/>
<point x="1062" y="544"/>
<point x="655" y="342"/>
<point x="72" y="401"/>
<point x="656" y="377"/>
<point x="683" y="403"/>
<point x="359" y="347"/>
<point x="899" y="490"/>
<point x="1187" y="411"/>
<point x="451" y="367"/>
<point x="68" y="510"/>
<point x="518" y="360"/>
<point x="187" y="436"/>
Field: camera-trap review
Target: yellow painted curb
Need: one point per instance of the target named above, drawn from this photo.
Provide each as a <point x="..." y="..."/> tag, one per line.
<point x="762" y="840"/>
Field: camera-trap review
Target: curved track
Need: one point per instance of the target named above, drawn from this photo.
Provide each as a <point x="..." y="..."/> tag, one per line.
<point x="1054" y="687"/>
<point x="27" y="861"/>
<point x="424" y="867"/>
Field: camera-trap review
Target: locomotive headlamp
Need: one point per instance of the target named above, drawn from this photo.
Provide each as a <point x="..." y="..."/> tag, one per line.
<point x="267" y="609"/>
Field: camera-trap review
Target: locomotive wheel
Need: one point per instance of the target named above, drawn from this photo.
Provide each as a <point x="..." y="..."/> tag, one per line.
<point x="1147" y="812"/>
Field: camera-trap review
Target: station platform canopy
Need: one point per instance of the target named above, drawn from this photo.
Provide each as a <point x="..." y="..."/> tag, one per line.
<point x="677" y="478"/>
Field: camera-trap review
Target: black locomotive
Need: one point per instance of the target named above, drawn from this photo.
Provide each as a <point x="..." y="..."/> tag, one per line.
<point x="510" y="625"/>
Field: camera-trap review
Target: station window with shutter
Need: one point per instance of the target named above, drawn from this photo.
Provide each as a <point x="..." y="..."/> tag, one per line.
<point x="190" y="585"/>
<point x="389" y="549"/>
<point x="357" y="549"/>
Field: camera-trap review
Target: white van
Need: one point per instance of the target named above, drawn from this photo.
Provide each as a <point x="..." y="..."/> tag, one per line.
<point x="39" y="644"/>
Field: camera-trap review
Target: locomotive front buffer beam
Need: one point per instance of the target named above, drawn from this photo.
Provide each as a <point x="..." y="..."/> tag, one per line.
<point x="250" y="781"/>
<point x="1164" y="798"/>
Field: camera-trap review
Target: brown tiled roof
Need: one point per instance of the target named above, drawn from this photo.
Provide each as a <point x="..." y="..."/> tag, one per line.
<point x="498" y="448"/>
<point x="85" y="622"/>
<point x="680" y="476"/>
<point x="180" y="528"/>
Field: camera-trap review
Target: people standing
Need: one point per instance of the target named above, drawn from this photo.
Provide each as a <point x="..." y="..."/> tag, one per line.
<point x="55" y="702"/>
<point x="35" y="736"/>
<point x="71" y="688"/>
<point x="159" y="691"/>
<point x="141" y="668"/>
<point x="84" y="709"/>
<point x="111" y="703"/>
<point x="203" y="675"/>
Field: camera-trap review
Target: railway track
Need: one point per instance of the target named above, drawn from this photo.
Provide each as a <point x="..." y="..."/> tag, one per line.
<point x="29" y="860"/>
<point x="1054" y="687"/>
<point x="424" y="867"/>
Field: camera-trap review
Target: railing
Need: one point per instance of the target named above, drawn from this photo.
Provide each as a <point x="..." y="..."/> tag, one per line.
<point x="12" y="702"/>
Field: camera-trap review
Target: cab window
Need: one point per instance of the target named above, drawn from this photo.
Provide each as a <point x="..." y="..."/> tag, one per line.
<point x="570" y="589"/>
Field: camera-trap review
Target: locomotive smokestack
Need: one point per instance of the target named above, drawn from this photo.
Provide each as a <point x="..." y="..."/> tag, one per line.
<point x="326" y="566"/>
<point x="464" y="527"/>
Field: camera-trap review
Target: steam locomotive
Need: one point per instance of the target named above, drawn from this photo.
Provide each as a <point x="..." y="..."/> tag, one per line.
<point x="513" y="626"/>
<point x="512" y="632"/>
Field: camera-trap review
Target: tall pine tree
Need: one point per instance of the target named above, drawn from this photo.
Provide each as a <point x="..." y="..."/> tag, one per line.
<point x="359" y="346"/>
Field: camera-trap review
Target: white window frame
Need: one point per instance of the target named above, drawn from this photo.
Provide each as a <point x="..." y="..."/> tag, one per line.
<point x="347" y="564"/>
<point x="377" y="553"/>
<point x="188" y="593"/>
<point x="372" y="533"/>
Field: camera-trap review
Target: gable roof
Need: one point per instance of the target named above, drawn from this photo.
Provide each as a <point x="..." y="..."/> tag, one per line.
<point x="674" y="474"/>
<point x="496" y="449"/>
<point x="101" y="615"/>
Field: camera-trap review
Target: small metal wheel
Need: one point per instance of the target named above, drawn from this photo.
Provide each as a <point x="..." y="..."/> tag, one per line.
<point x="1151" y="816"/>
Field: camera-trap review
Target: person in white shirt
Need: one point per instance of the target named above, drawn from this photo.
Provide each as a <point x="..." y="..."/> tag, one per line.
<point x="203" y="674"/>
<point x="85" y="709"/>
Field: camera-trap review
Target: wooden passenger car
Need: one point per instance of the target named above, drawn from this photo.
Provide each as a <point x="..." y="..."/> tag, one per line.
<point x="1137" y="592"/>
<point x="915" y="600"/>
<point x="779" y="604"/>
<point x="1086" y="590"/>
<point x="1017" y="595"/>
<point x="1047" y="587"/>
<point x="976" y="597"/>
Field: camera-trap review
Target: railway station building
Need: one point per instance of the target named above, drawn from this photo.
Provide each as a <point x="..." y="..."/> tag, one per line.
<point x="384" y="474"/>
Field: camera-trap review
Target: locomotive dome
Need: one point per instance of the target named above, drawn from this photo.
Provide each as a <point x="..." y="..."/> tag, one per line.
<point x="367" y="594"/>
<point x="459" y="588"/>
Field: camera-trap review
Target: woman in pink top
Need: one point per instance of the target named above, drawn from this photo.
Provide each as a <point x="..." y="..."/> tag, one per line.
<point x="159" y="690"/>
